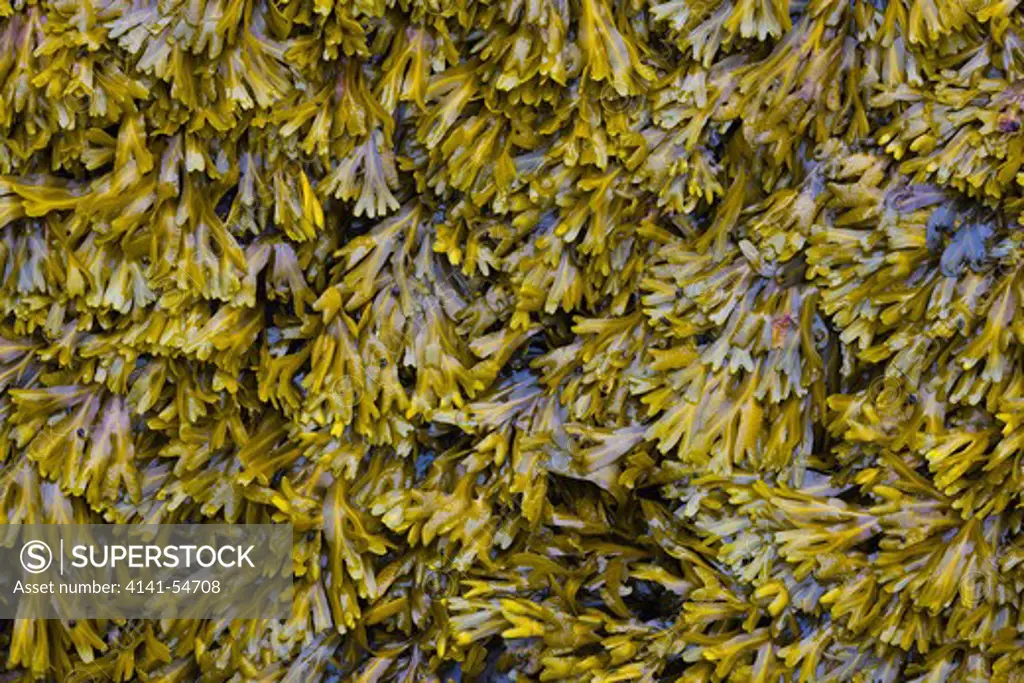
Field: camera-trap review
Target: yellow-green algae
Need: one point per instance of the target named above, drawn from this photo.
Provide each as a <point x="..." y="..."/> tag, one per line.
<point x="579" y="340"/>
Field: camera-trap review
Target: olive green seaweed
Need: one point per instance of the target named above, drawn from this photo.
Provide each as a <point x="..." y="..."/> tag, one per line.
<point x="579" y="340"/>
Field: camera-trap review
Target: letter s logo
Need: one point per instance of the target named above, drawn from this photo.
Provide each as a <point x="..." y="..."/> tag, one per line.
<point x="36" y="557"/>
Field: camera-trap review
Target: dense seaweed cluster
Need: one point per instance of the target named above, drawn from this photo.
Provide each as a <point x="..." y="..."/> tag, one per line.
<point x="579" y="340"/>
